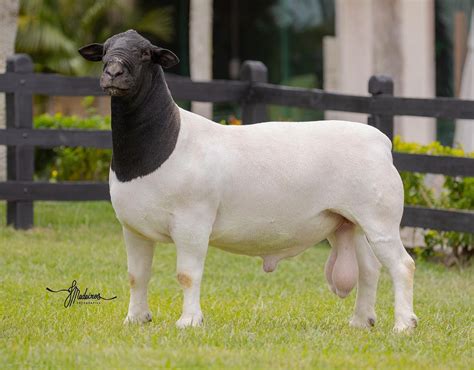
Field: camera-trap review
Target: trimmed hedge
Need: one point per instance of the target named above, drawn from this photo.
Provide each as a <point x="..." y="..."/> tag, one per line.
<point x="75" y="163"/>
<point x="456" y="193"/>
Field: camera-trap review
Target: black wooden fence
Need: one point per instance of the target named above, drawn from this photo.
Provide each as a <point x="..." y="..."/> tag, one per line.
<point x="252" y="92"/>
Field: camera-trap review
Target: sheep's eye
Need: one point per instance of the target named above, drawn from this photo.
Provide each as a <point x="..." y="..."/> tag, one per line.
<point x="146" y="55"/>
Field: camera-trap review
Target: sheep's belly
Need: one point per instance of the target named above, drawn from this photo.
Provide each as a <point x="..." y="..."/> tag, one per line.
<point x="272" y="236"/>
<point x="240" y="228"/>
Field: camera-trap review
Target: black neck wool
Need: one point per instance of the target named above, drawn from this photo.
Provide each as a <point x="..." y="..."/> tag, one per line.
<point x="145" y="128"/>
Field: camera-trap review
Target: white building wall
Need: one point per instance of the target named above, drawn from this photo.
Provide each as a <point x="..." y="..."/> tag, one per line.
<point x="392" y="37"/>
<point x="200" y="48"/>
<point x="464" y="134"/>
<point x="354" y="43"/>
<point x="418" y="72"/>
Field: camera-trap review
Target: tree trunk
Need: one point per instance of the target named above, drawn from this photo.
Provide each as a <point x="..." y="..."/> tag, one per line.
<point x="8" y="25"/>
<point x="200" y="48"/>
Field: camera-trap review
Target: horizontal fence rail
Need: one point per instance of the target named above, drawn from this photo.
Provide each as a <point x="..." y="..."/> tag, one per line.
<point x="214" y="92"/>
<point x="450" y="166"/>
<point x="387" y="105"/>
<point x="182" y="88"/>
<point x="437" y="107"/>
<point x="438" y="219"/>
<point x="48" y="138"/>
<point x="252" y="92"/>
<point x="62" y="191"/>
<point x="310" y="98"/>
<point x="49" y="84"/>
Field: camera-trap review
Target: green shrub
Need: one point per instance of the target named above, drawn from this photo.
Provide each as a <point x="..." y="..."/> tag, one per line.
<point x="457" y="193"/>
<point x="75" y="163"/>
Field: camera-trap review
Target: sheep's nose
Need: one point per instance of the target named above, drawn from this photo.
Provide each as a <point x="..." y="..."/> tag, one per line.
<point x="114" y="70"/>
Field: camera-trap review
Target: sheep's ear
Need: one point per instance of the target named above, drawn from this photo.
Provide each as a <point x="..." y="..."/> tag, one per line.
<point x="163" y="57"/>
<point x="92" y="52"/>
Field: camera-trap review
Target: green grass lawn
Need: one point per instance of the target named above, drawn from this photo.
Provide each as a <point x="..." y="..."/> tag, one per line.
<point x="283" y="320"/>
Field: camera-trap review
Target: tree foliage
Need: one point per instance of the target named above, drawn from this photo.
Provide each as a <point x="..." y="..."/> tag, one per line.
<point x="51" y="31"/>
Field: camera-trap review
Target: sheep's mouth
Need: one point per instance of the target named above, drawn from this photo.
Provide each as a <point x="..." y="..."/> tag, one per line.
<point x="115" y="91"/>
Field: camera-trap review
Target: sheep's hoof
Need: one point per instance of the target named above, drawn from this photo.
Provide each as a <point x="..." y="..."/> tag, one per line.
<point x="406" y="326"/>
<point x="363" y="323"/>
<point x="141" y="318"/>
<point x="190" y="320"/>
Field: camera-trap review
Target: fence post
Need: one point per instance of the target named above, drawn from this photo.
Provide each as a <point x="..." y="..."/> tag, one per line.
<point x="20" y="159"/>
<point x="253" y="112"/>
<point x="381" y="86"/>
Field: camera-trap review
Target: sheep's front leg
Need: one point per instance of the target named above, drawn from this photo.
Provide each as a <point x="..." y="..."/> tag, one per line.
<point x="191" y="248"/>
<point x="140" y="258"/>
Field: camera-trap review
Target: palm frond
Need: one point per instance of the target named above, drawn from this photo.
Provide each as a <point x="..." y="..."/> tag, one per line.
<point x="158" y="22"/>
<point x="41" y="37"/>
<point x="94" y="13"/>
<point x="59" y="64"/>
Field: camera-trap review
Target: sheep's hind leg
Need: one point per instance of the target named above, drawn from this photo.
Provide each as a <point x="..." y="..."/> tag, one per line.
<point x="140" y="258"/>
<point x="369" y="272"/>
<point x="380" y="220"/>
<point x="392" y="254"/>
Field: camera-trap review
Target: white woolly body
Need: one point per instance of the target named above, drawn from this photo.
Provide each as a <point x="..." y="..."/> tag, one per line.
<point x="269" y="190"/>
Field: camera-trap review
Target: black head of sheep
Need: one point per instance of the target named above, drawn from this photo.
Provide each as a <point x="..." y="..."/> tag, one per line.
<point x="128" y="60"/>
